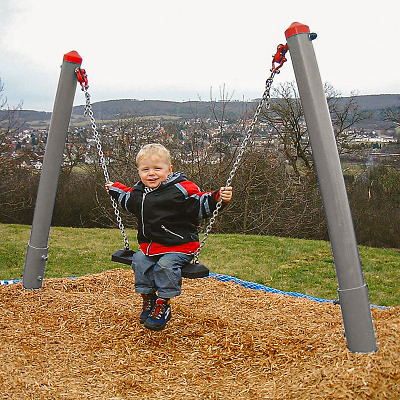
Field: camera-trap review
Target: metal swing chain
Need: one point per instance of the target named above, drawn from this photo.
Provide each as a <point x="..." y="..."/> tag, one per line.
<point x="88" y="112"/>
<point x="279" y="58"/>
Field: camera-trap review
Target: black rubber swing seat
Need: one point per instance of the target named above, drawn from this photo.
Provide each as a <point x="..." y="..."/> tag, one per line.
<point x="190" y="271"/>
<point x="123" y="256"/>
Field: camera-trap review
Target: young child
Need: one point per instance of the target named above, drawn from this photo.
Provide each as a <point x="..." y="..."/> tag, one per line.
<point x="168" y="208"/>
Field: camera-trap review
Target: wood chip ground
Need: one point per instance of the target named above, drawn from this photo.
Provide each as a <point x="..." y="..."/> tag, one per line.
<point x="80" y="339"/>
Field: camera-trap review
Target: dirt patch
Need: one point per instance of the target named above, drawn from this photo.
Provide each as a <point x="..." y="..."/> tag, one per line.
<point x="80" y="339"/>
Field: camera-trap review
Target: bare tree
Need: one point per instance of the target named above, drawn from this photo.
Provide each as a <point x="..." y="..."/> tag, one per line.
<point x="345" y="114"/>
<point x="285" y="117"/>
<point x="17" y="191"/>
<point x="9" y="116"/>
<point x="392" y="114"/>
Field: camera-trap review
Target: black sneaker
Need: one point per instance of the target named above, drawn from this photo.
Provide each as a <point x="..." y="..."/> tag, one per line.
<point x="149" y="300"/>
<point x="159" y="316"/>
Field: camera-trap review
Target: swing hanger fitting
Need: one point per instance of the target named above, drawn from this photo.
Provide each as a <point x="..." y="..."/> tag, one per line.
<point x="82" y="78"/>
<point x="279" y="58"/>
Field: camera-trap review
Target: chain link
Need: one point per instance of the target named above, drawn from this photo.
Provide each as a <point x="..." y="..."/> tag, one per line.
<point x="265" y="101"/>
<point x="89" y="113"/>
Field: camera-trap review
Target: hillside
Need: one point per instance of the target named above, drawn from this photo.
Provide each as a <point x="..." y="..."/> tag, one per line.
<point x="122" y="108"/>
<point x="113" y="109"/>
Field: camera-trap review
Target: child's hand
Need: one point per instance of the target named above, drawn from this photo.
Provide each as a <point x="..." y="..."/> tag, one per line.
<point x="225" y="193"/>
<point x="108" y="185"/>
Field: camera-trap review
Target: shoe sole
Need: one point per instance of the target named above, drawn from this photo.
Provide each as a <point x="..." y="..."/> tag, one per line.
<point x="155" y="328"/>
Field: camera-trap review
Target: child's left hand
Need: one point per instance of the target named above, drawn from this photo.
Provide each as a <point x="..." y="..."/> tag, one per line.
<point x="225" y="193"/>
<point x="108" y="185"/>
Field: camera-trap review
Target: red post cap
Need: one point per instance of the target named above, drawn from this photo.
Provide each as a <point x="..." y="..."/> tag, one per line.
<point x="296" y="28"/>
<point x="73" y="57"/>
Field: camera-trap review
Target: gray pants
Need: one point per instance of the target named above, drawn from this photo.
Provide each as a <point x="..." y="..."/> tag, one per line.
<point x="160" y="273"/>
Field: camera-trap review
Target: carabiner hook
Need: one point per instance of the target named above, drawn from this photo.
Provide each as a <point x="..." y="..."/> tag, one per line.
<point x="82" y="78"/>
<point x="279" y="58"/>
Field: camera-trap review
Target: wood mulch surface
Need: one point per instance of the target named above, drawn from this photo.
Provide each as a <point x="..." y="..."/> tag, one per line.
<point x="80" y="339"/>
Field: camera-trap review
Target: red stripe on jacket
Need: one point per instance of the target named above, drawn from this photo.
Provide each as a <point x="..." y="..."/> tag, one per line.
<point x="153" y="249"/>
<point x="119" y="185"/>
<point x="192" y="188"/>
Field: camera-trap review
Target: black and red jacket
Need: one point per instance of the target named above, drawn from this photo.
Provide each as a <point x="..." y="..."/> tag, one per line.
<point x="168" y="216"/>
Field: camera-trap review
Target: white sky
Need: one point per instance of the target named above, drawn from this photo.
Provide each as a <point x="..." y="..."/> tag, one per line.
<point x="179" y="49"/>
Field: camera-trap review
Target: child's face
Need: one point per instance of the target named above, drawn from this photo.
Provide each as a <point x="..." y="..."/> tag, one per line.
<point x="153" y="170"/>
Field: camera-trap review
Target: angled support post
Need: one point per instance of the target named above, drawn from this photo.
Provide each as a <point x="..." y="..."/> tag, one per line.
<point x="37" y="251"/>
<point x="352" y="290"/>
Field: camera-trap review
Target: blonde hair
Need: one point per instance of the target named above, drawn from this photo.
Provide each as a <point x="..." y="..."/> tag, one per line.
<point x="153" y="149"/>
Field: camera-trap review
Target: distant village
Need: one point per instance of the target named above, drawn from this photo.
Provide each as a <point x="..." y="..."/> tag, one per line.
<point x="80" y="139"/>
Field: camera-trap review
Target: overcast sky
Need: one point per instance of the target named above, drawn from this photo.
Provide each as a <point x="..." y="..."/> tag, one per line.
<point x="180" y="49"/>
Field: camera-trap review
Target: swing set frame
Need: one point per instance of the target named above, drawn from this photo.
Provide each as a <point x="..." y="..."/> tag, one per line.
<point x="352" y="289"/>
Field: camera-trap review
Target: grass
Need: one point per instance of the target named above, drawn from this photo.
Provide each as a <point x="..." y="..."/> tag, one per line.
<point x="296" y="265"/>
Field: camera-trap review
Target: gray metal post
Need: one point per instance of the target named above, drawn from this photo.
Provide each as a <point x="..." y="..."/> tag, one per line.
<point x="36" y="254"/>
<point x="352" y="290"/>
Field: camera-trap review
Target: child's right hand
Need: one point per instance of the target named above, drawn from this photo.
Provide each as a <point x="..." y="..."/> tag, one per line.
<point x="225" y="193"/>
<point x="108" y="185"/>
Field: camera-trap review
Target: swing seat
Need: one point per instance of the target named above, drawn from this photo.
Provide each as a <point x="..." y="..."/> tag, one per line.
<point x="123" y="256"/>
<point x="195" y="270"/>
<point x="190" y="271"/>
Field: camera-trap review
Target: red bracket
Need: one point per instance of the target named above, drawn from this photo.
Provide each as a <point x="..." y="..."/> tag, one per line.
<point x="279" y="58"/>
<point x="82" y="78"/>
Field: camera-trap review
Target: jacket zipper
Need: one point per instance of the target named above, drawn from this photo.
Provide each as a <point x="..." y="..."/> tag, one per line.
<point x="148" y="248"/>
<point x="144" y="196"/>
<point x="172" y="233"/>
